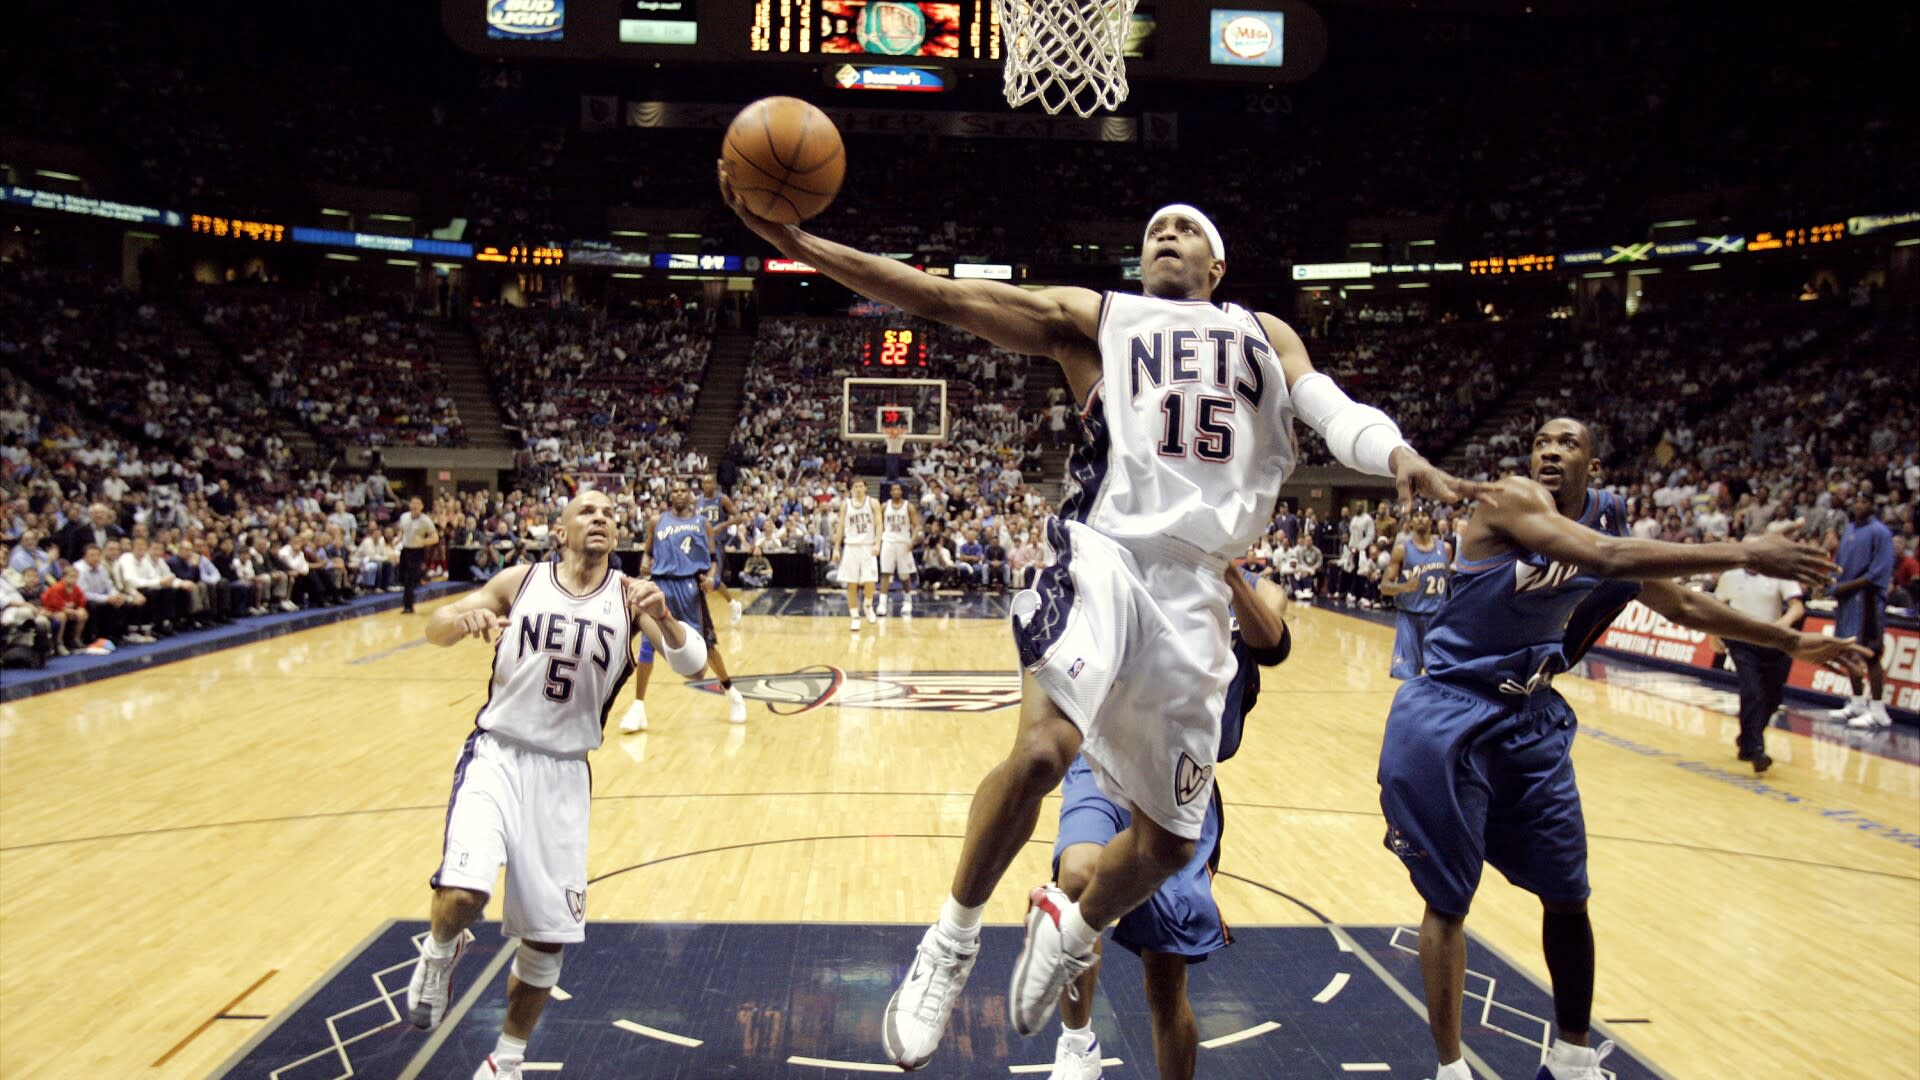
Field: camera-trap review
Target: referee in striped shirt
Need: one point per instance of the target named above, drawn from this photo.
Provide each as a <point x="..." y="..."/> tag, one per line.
<point x="417" y="534"/>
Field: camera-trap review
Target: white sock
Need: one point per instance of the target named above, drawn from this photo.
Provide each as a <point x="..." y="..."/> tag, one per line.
<point x="1078" y="1038"/>
<point x="960" y="922"/>
<point x="1456" y="1071"/>
<point x="435" y="949"/>
<point x="1074" y="931"/>
<point x="509" y="1049"/>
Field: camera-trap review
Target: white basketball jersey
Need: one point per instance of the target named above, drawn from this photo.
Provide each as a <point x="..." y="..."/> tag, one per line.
<point x="895" y="524"/>
<point x="859" y="522"/>
<point x="1190" y="430"/>
<point x="558" y="664"/>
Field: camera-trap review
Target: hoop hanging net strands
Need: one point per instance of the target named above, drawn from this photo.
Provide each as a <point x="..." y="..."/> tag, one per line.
<point x="1066" y="53"/>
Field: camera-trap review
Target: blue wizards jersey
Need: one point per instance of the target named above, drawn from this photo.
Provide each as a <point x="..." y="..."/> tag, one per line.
<point x="680" y="546"/>
<point x="712" y="511"/>
<point x="1518" y="616"/>
<point x="1428" y="571"/>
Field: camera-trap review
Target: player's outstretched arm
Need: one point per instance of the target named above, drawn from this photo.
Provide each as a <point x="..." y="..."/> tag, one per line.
<point x="1699" y="611"/>
<point x="1055" y="322"/>
<point x="1360" y="436"/>
<point x="1522" y="512"/>
<point x="1262" y="610"/>
<point x="481" y="613"/>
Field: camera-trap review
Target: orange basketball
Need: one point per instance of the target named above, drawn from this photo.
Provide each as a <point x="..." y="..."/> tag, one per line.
<point x="786" y="158"/>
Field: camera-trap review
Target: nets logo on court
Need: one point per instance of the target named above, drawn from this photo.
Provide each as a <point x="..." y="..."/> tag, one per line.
<point x="795" y="692"/>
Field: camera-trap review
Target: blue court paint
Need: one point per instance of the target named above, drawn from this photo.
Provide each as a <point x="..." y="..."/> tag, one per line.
<point x="755" y="995"/>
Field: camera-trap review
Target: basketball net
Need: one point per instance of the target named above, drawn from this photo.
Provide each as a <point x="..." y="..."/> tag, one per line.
<point x="1066" y="53"/>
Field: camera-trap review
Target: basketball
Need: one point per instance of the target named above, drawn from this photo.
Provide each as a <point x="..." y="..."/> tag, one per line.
<point x="786" y="158"/>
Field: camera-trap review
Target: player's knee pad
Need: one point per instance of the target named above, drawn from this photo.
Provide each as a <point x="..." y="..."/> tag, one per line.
<point x="536" y="967"/>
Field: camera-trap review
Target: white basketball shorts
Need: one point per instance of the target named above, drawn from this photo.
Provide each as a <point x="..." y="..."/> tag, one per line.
<point x="896" y="557"/>
<point x="1132" y="644"/>
<point x="515" y="805"/>
<point x="857" y="565"/>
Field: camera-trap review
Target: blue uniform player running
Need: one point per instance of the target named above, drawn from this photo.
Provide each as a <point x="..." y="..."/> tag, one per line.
<point x="718" y="509"/>
<point x="1179" y="924"/>
<point x="1475" y="766"/>
<point x="1866" y="573"/>
<point x="1417" y="578"/>
<point x="679" y="559"/>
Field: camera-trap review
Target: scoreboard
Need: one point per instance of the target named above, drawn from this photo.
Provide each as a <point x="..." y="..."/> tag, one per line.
<point x="1245" y="40"/>
<point x="896" y="348"/>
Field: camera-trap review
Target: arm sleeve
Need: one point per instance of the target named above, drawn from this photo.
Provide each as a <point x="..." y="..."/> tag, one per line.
<point x="1360" y="436"/>
<point x="691" y="658"/>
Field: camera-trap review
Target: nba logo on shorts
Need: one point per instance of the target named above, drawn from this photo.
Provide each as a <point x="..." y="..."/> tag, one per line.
<point x="1189" y="778"/>
<point x="577" y="904"/>
<point x="1079" y="665"/>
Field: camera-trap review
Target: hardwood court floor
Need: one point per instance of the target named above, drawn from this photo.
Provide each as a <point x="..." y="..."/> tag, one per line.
<point x="169" y="840"/>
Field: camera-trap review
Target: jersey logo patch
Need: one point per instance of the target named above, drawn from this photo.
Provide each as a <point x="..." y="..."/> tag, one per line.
<point x="1530" y="578"/>
<point x="1190" y="778"/>
<point x="794" y="692"/>
<point x="577" y="904"/>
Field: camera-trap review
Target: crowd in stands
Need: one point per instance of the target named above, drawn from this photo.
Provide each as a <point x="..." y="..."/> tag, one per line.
<point x="363" y="372"/>
<point x="597" y="390"/>
<point x="1552" y="133"/>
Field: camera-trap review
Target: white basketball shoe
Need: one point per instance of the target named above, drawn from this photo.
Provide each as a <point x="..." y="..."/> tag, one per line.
<point x="736" y="706"/>
<point x="1044" y="967"/>
<point x="916" y="1016"/>
<point x="496" y="1069"/>
<point x="431" y="986"/>
<point x="1566" y="1061"/>
<point x="1071" y="1061"/>
<point x="635" y="718"/>
<point x="1846" y="714"/>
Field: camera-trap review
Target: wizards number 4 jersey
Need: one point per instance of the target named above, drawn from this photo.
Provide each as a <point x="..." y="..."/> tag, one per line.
<point x="1515" y="620"/>
<point x="1190" y="431"/>
<point x="559" y="664"/>
<point x="680" y="546"/>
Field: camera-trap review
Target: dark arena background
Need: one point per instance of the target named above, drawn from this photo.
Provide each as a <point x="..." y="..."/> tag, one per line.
<point x="271" y="272"/>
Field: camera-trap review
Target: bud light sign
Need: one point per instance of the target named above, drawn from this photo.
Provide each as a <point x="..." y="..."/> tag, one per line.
<point x="527" y="20"/>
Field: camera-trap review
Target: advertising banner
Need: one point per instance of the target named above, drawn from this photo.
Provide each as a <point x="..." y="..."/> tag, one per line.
<point x="1642" y="632"/>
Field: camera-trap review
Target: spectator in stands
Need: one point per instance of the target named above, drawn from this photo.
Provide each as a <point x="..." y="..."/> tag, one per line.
<point x="117" y="612"/>
<point x="168" y="604"/>
<point x="24" y="624"/>
<point x="758" y="570"/>
<point x="99" y="530"/>
<point x="485" y="566"/>
<point x="65" y="599"/>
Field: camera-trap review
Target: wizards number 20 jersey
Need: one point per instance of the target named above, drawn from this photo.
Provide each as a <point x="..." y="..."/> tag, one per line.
<point x="559" y="664"/>
<point x="1428" y="572"/>
<point x="1190" y="432"/>
<point x="1519" y="617"/>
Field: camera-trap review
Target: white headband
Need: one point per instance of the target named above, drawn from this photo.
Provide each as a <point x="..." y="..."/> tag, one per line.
<point x="1206" y="226"/>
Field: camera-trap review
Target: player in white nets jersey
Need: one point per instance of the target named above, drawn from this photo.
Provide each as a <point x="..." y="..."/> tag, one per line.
<point x="856" y="539"/>
<point x="1188" y="409"/>
<point x="521" y="787"/>
<point x="899" y="524"/>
